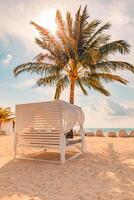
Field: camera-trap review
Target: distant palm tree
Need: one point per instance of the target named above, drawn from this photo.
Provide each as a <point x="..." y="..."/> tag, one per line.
<point x="6" y="116"/>
<point x="79" y="55"/>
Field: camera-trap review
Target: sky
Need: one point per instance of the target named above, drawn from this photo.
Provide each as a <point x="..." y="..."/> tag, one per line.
<point x="17" y="46"/>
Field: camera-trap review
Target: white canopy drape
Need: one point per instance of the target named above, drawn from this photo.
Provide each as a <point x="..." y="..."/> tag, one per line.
<point x="71" y="115"/>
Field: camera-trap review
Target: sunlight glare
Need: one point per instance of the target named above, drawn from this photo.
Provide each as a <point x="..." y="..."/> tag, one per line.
<point x="47" y="20"/>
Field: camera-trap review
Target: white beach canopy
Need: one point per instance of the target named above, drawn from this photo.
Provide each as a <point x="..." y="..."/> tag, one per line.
<point x="44" y="125"/>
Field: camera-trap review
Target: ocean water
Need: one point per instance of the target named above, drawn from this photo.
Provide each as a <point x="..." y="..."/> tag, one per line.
<point x="106" y="130"/>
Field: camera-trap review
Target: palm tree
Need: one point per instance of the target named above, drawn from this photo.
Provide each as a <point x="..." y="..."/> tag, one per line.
<point x="79" y="55"/>
<point x="6" y="116"/>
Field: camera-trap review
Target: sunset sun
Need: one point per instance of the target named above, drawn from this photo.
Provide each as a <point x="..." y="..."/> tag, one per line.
<point x="47" y="20"/>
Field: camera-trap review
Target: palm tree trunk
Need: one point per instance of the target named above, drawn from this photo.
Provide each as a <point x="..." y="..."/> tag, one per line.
<point x="0" y="125"/>
<point x="71" y="100"/>
<point x="72" y="88"/>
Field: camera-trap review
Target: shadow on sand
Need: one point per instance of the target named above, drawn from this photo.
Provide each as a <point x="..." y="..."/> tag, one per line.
<point x="91" y="176"/>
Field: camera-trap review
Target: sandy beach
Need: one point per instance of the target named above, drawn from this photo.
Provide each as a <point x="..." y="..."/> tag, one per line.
<point x="105" y="172"/>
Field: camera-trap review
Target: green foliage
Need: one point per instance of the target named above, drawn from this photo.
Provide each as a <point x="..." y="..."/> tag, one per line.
<point x="79" y="53"/>
<point x="6" y="115"/>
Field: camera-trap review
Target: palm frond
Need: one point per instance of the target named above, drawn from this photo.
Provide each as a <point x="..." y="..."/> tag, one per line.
<point x="120" y="46"/>
<point x="6" y="115"/>
<point x="91" y="26"/>
<point x="60" y="86"/>
<point x="69" y="24"/>
<point x="45" y="45"/>
<point x="87" y="32"/>
<point x="34" y="67"/>
<point x="46" y="34"/>
<point x="80" y="83"/>
<point x="98" y="32"/>
<point x="61" y="31"/>
<point x="60" y="56"/>
<point x="106" y="77"/>
<point x="60" y="22"/>
<point x="80" y="31"/>
<point x="90" y="57"/>
<point x="95" y="84"/>
<point x="76" y="23"/>
<point x="100" y="40"/>
<point x="49" y="80"/>
<point x="41" y="57"/>
<point x="114" y="65"/>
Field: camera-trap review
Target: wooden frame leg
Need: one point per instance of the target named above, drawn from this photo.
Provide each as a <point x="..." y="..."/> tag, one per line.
<point x="83" y="146"/>
<point x="62" y="156"/>
<point x="15" y="145"/>
<point x="62" y="148"/>
<point x="83" y="142"/>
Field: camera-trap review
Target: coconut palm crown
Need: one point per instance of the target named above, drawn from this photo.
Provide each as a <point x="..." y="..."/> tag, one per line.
<point x="6" y="115"/>
<point x="78" y="55"/>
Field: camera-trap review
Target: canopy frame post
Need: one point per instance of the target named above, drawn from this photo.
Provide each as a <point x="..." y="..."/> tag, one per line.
<point x="15" y="144"/>
<point x="83" y="143"/>
<point x="62" y="147"/>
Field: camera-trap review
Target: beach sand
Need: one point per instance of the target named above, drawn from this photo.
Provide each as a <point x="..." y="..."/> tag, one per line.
<point x="105" y="172"/>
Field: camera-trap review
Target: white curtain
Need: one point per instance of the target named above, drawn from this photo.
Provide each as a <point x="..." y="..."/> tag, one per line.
<point x="71" y="115"/>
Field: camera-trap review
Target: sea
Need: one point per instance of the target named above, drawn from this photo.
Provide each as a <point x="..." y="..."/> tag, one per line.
<point x="106" y="130"/>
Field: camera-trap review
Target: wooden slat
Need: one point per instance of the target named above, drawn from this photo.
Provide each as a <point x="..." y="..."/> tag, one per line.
<point x="41" y="134"/>
<point x="41" y="140"/>
<point x="40" y="130"/>
<point x="43" y="116"/>
<point x="39" y="146"/>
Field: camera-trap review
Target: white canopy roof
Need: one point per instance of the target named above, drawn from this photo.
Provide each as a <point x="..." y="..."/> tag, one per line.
<point x="51" y="115"/>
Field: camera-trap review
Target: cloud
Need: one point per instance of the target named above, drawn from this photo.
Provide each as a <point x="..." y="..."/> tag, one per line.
<point x="23" y="12"/>
<point x="17" y="15"/>
<point x="24" y="84"/>
<point x="109" y="113"/>
<point x="128" y="76"/>
<point x="21" y="84"/>
<point x="46" y="93"/>
<point x="116" y="109"/>
<point x="7" y="59"/>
